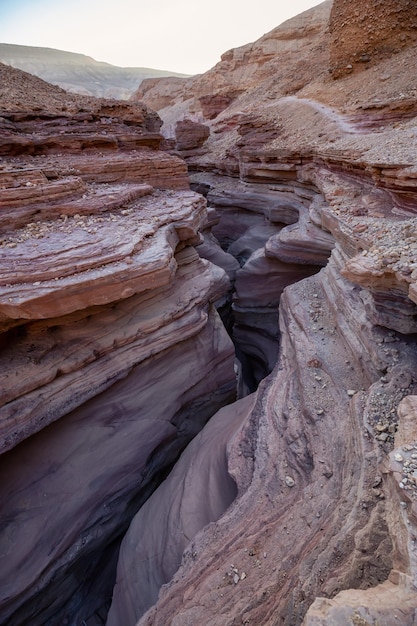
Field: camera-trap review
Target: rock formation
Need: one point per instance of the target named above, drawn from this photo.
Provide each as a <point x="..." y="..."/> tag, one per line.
<point x="190" y="136"/>
<point x="112" y="354"/>
<point x="297" y="170"/>
<point x="295" y="505"/>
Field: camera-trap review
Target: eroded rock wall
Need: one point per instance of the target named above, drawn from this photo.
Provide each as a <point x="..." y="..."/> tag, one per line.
<point x="146" y="564"/>
<point x="270" y="233"/>
<point x="113" y="355"/>
<point x="317" y="509"/>
<point x="322" y="528"/>
<point x="296" y="505"/>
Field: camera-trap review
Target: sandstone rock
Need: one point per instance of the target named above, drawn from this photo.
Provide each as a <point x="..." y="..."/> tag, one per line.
<point x="298" y="422"/>
<point x="95" y="466"/>
<point x="103" y="259"/>
<point x="298" y="168"/>
<point x="329" y="164"/>
<point x="213" y="104"/>
<point x="105" y="306"/>
<point x="203" y="468"/>
<point x="190" y="135"/>
<point x="167" y="89"/>
<point x="385" y="603"/>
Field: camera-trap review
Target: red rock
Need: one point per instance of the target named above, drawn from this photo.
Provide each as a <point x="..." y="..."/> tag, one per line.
<point x="317" y="527"/>
<point x="213" y="104"/>
<point x="104" y="306"/>
<point x="323" y="522"/>
<point x="95" y="465"/>
<point x="286" y="547"/>
<point x="195" y="473"/>
<point x="103" y="260"/>
<point x="190" y="135"/>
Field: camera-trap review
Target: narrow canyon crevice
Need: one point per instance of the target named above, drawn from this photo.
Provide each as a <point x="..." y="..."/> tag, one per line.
<point x="262" y="230"/>
<point x="86" y="594"/>
<point x="135" y="489"/>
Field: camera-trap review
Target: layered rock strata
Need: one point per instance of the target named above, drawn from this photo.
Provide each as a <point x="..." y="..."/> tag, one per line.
<point x="314" y="531"/>
<point x="203" y="468"/>
<point x="271" y="234"/>
<point x="297" y="504"/>
<point x="311" y="458"/>
<point x="112" y="353"/>
<point x="190" y="136"/>
<point x="322" y="529"/>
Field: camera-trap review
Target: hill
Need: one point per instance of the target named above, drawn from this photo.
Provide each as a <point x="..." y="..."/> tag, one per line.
<point x="78" y="73"/>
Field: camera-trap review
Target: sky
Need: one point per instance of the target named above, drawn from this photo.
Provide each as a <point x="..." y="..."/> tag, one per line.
<point x="185" y="36"/>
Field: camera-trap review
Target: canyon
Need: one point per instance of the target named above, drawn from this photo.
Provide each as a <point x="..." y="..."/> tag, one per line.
<point x="208" y="312"/>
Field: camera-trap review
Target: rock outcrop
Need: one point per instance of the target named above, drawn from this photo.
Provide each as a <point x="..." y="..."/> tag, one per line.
<point x="190" y="136"/>
<point x="294" y="505"/>
<point x="322" y="529"/>
<point x="203" y="468"/>
<point x="112" y="353"/>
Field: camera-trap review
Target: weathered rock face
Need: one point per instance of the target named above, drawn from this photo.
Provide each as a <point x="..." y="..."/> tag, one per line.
<point x="170" y="87"/>
<point x="295" y="505"/>
<point x="190" y="136"/>
<point x="311" y="459"/>
<point x="322" y="529"/>
<point x="361" y="34"/>
<point x="213" y="104"/>
<point x="302" y="542"/>
<point x="143" y="567"/>
<point x="112" y="353"/>
<point x="270" y="234"/>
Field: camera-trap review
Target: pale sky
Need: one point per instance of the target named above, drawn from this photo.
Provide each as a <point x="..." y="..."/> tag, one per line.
<point x="183" y="35"/>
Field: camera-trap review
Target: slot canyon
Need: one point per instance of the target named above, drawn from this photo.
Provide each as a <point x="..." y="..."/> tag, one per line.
<point x="208" y="326"/>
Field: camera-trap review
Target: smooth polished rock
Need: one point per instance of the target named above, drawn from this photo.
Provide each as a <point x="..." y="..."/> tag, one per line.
<point x="63" y="362"/>
<point x="197" y="492"/>
<point x="70" y="490"/>
<point x="112" y="353"/>
<point x="288" y="544"/>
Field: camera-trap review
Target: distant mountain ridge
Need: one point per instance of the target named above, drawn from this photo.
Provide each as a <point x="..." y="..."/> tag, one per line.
<point x="78" y="73"/>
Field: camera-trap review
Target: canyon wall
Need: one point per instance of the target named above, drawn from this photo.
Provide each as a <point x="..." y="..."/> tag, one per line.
<point x="295" y="505"/>
<point x="112" y="355"/>
<point x="320" y="454"/>
<point x="322" y="529"/>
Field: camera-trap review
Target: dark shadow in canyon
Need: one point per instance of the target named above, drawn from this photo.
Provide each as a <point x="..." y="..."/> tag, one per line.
<point x="250" y="316"/>
<point x="246" y="221"/>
